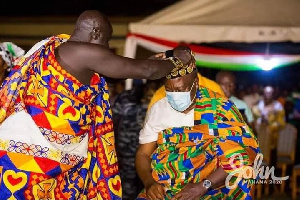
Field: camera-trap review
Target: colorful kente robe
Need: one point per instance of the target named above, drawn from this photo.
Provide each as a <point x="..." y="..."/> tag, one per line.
<point x="219" y="138"/>
<point x="56" y="134"/>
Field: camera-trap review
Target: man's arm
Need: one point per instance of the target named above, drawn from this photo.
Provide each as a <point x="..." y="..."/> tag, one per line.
<point x="154" y="190"/>
<point x="193" y="191"/>
<point x="103" y="61"/>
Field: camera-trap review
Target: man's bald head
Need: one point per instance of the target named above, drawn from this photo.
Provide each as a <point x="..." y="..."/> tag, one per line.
<point x="94" y="27"/>
<point x="92" y="18"/>
<point x="268" y="94"/>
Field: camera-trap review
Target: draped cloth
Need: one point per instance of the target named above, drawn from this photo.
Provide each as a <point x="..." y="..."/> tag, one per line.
<point x="219" y="138"/>
<point x="56" y="134"/>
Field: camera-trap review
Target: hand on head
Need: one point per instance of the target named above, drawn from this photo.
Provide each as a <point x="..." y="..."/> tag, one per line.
<point x="181" y="52"/>
<point x="184" y="53"/>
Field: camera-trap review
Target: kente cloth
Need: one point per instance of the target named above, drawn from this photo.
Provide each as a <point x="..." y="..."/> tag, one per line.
<point x="56" y="134"/>
<point x="203" y="82"/>
<point x="219" y="138"/>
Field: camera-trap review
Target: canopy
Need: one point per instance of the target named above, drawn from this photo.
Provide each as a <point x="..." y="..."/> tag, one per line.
<point x="197" y="23"/>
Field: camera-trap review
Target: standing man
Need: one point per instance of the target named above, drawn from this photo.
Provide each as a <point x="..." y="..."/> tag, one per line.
<point x="56" y="130"/>
<point x="227" y="82"/>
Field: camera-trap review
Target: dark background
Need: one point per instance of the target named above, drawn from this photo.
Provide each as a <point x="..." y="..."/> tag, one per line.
<point x="75" y="7"/>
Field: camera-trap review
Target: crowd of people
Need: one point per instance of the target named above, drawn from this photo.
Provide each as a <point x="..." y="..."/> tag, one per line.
<point x="65" y="133"/>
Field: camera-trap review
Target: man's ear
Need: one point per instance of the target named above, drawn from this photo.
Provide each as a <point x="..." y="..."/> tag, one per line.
<point x="95" y="36"/>
<point x="197" y="79"/>
<point x="96" y="33"/>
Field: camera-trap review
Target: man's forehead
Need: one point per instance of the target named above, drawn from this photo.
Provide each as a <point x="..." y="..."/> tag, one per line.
<point x="226" y="78"/>
<point x="181" y="81"/>
<point x="174" y="81"/>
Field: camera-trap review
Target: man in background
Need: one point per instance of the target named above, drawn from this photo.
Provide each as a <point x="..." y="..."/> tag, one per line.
<point x="269" y="117"/>
<point x="227" y="81"/>
<point x="129" y="111"/>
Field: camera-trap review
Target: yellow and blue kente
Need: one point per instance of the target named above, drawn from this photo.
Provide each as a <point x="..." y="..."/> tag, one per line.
<point x="219" y="138"/>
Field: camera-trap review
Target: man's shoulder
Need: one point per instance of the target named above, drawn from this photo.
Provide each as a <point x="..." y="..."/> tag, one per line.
<point x="278" y="105"/>
<point x="158" y="95"/>
<point x="160" y="104"/>
<point x="208" y="93"/>
<point x="210" y="84"/>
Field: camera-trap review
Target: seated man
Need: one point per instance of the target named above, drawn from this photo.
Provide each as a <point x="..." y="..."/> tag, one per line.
<point x="189" y="142"/>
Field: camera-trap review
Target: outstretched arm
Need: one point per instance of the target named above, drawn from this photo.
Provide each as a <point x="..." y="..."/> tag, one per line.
<point x="101" y="60"/>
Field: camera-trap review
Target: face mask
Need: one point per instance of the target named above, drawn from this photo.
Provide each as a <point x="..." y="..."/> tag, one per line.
<point x="180" y="101"/>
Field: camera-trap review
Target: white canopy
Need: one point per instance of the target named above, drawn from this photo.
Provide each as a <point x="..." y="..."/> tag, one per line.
<point x="200" y="21"/>
<point x="195" y="21"/>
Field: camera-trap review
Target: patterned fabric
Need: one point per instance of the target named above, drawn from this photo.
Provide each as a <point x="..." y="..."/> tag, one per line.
<point x="66" y="150"/>
<point x="190" y="154"/>
<point x="10" y="53"/>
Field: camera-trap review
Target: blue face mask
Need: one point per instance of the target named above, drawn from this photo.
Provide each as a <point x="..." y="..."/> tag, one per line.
<point x="180" y="101"/>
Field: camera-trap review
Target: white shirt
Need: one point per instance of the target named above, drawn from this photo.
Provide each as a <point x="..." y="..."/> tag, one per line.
<point x="162" y="116"/>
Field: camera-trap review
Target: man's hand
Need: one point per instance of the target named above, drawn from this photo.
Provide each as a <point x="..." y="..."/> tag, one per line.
<point x="192" y="191"/>
<point x="183" y="53"/>
<point x="155" y="191"/>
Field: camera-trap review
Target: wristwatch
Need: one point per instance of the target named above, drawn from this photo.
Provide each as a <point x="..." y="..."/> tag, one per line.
<point x="207" y="184"/>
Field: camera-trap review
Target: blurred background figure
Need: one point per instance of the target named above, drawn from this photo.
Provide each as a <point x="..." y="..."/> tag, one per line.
<point x="253" y="96"/>
<point x="269" y="119"/>
<point x="129" y="111"/>
<point x="227" y="82"/>
<point x="9" y="56"/>
<point x="114" y="90"/>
